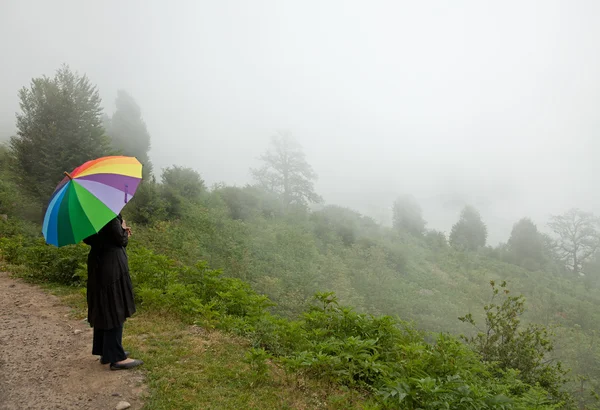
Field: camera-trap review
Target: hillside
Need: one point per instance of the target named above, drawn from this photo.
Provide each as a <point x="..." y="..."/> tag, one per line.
<point x="308" y="293"/>
<point x="290" y="257"/>
<point x="377" y="270"/>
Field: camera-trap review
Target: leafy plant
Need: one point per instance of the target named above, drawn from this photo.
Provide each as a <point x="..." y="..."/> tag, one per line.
<point x="258" y="358"/>
<point x="505" y="342"/>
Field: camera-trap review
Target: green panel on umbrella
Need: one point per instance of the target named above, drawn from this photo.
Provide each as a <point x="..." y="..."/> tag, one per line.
<point x="89" y="197"/>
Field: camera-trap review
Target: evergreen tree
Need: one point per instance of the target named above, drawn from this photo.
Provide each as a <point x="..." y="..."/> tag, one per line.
<point x="526" y="244"/>
<point x="469" y="233"/>
<point x="59" y="128"/>
<point x="181" y="185"/>
<point x="128" y="130"/>
<point x="408" y="216"/>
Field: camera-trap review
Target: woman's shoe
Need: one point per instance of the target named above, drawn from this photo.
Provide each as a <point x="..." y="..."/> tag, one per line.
<point x="103" y="362"/>
<point x="125" y="366"/>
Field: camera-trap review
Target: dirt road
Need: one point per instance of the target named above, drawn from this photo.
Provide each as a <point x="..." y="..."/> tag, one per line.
<point x="46" y="360"/>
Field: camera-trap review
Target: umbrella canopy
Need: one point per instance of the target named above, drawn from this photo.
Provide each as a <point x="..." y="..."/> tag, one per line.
<point x="89" y="197"/>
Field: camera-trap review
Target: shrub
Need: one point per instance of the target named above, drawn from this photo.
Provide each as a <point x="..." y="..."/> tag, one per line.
<point x="191" y="291"/>
<point x="59" y="265"/>
<point x="509" y="345"/>
<point x="381" y="355"/>
<point x="44" y="263"/>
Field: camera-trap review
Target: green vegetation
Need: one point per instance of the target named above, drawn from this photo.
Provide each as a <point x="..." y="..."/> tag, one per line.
<point x="128" y="131"/>
<point x="407" y="215"/>
<point x="56" y="113"/>
<point x="381" y="358"/>
<point x="527" y="246"/>
<point x="367" y="316"/>
<point x="469" y="233"/>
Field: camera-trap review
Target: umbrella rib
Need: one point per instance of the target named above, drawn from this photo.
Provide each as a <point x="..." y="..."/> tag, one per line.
<point x="77" y="203"/>
<point x="96" y="211"/>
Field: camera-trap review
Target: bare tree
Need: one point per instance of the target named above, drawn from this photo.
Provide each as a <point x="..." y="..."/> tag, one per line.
<point x="578" y="238"/>
<point x="286" y="172"/>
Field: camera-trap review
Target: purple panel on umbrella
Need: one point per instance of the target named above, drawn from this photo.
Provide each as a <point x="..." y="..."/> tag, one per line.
<point x="120" y="182"/>
<point x="111" y="197"/>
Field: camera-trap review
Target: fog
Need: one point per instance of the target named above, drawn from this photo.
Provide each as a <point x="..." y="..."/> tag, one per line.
<point x="489" y="103"/>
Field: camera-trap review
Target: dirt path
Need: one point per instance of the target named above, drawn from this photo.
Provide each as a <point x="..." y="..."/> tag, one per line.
<point x="46" y="360"/>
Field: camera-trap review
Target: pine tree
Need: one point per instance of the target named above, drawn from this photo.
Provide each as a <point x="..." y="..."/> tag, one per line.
<point x="128" y="131"/>
<point x="526" y="244"/>
<point x="59" y="128"/>
<point x="469" y="233"/>
<point x="408" y="215"/>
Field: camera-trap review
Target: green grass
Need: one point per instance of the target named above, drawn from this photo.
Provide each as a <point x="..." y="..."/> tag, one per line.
<point x="187" y="367"/>
<point x="190" y="368"/>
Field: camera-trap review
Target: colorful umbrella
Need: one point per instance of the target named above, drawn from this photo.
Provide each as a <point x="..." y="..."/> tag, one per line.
<point x="89" y="197"/>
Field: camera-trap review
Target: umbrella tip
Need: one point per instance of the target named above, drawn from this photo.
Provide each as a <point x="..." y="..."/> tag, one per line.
<point x="69" y="175"/>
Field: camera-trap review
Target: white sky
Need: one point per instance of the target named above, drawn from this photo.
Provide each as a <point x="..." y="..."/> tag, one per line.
<point x="494" y="103"/>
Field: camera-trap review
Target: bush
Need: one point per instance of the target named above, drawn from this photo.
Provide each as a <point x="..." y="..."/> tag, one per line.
<point x="380" y="355"/>
<point x="17" y="227"/>
<point x="195" y="292"/>
<point x="59" y="265"/>
<point x="147" y="206"/>
<point x="180" y="186"/>
<point x="507" y="344"/>
<point x="45" y="263"/>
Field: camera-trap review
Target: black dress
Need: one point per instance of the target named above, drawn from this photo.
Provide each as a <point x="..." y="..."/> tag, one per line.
<point x="109" y="289"/>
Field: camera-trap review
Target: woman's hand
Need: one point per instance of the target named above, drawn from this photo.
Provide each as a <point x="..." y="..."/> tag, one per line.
<point x="128" y="229"/>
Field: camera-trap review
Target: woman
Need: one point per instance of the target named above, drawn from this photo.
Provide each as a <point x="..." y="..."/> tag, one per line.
<point x="110" y="293"/>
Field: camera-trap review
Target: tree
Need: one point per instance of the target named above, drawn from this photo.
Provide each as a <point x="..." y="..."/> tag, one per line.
<point x="578" y="237"/>
<point x="128" y="130"/>
<point x="286" y="172"/>
<point x="469" y="233"/>
<point x="4" y="158"/>
<point x="59" y="128"/>
<point x="248" y="202"/>
<point x="408" y="216"/>
<point x="12" y="201"/>
<point x="180" y="185"/>
<point x="148" y="205"/>
<point x="436" y="240"/>
<point x="508" y="344"/>
<point x="526" y="244"/>
<point x="336" y="221"/>
<point x="7" y="186"/>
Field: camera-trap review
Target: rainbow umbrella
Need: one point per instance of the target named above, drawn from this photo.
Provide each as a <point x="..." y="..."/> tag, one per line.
<point x="89" y="197"/>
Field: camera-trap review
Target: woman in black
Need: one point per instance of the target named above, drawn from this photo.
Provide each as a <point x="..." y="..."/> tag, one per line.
<point x="110" y="293"/>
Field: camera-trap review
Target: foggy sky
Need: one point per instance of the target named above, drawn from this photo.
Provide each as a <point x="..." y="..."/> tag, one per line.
<point x="491" y="103"/>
